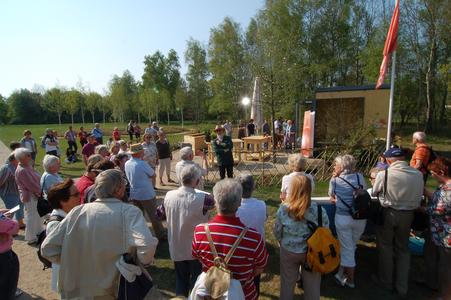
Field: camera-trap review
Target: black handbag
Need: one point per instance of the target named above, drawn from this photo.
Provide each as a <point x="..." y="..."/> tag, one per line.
<point x="138" y="289"/>
<point x="420" y="221"/>
<point x="43" y="205"/>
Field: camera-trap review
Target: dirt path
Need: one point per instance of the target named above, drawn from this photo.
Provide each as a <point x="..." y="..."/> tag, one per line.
<point x="33" y="281"/>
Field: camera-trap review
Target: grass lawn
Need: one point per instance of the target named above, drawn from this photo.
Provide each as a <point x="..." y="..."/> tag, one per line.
<point x="10" y="133"/>
<point x="163" y="271"/>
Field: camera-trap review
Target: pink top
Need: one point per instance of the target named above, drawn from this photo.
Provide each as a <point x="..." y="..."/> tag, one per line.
<point x="8" y="228"/>
<point x="27" y="180"/>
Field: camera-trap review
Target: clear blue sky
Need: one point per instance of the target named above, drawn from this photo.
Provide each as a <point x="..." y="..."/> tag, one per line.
<point x="57" y="42"/>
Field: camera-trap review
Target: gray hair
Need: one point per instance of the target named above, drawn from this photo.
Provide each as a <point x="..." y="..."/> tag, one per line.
<point x="100" y="148"/>
<point x="95" y="158"/>
<point x="186" y="152"/>
<point x="189" y="174"/>
<point x="296" y="162"/>
<point x="49" y="161"/>
<point x="227" y="194"/>
<point x="20" y="153"/>
<point x="347" y="162"/>
<point x="107" y="183"/>
<point x="419" y="136"/>
<point x="247" y="183"/>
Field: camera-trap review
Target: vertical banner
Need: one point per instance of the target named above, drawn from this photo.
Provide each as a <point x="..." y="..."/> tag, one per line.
<point x="308" y="134"/>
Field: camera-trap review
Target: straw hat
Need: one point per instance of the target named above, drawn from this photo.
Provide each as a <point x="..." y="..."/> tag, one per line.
<point x="135" y="149"/>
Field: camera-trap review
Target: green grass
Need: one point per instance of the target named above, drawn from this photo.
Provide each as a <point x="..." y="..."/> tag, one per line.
<point x="10" y="133"/>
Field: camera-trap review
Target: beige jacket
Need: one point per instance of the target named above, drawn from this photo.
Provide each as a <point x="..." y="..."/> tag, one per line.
<point x="89" y="241"/>
<point x="404" y="186"/>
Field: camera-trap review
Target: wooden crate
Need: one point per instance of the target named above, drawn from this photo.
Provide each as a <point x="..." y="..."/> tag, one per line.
<point x="197" y="140"/>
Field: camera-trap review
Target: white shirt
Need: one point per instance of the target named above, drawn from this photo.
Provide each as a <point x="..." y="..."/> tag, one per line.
<point x="184" y="211"/>
<point x="50" y="226"/>
<point x="252" y="213"/>
<point x="287" y="179"/>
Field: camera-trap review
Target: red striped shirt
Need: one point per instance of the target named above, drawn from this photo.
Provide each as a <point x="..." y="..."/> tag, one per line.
<point x="249" y="255"/>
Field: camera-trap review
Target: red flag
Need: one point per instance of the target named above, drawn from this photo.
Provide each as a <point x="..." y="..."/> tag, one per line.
<point x="390" y="44"/>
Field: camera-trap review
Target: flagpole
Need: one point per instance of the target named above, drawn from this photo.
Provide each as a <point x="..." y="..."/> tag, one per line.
<point x="390" y="106"/>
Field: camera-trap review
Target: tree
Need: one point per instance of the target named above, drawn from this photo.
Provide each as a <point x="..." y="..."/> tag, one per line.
<point x="197" y="78"/>
<point x="54" y="101"/>
<point x="4" y="111"/>
<point x="162" y="75"/>
<point x="92" y="103"/>
<point x="181" y="99"/>
<point x="227" y="67"/>
<point x="122" y="94"/>
<point x="72" y="101"/>
<point x="24" y="107"/>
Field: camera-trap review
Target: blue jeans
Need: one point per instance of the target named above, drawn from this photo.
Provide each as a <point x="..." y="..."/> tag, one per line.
<point x="186" y="273"/>
<point x="11" y="201"/>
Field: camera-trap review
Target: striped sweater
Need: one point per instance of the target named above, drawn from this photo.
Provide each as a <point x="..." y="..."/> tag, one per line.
<point x="251" y="253"/>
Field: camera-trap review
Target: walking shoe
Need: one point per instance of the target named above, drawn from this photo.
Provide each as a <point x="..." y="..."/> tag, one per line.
<point x="18" y="292"/>
<point x="341" y="280"/>
<point x="349" y="284"/>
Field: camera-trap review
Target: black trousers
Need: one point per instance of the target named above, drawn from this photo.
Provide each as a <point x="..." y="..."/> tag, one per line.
<point x="9" y="275"/>
<point x="222" y="171"/>
<point x="53" y="152"/>
<point x="72" y="145"/>
<point x="186" y="273"/>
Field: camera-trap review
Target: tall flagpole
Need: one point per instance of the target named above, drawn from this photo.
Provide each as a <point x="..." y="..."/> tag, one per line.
<point x="390" y="107"/>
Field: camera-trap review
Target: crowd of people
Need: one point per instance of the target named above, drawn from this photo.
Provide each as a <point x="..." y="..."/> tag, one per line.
<point x="100" y="218"/>
<point x="284" y="131"/>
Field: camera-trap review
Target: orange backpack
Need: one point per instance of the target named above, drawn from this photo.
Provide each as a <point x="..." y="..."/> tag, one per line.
<point x="323" y="252"/>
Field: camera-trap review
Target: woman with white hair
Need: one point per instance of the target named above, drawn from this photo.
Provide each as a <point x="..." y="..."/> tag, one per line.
<point x="98" y="234"/>
<point x="296" y="164"/>
<point x="27" y="180"/>
<point x="150" y="153"/>
<point x="341" y="189"/>
<point x="50" y="177"/>
<point x="8" y="188"/>
<point x="250" y="257"/>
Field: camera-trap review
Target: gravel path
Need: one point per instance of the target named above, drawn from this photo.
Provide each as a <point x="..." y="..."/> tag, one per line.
<point x="33" y="281"/>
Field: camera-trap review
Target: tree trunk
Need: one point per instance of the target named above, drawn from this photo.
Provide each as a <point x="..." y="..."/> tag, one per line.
<point x="103" y="111"/>
<point x="93" y="118"/>
<point x="59" y="118"/>
<point x="82" y="115"/>
<point x="430" y="76"/>
<point x="139" y="118"/>
<point x="443" y="105"/>
<point x="181" y="113"/>
<point x="72" y="119"/>
<point x="168" y="117"/>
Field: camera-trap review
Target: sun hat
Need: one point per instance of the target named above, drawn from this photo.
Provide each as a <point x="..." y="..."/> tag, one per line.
<point x="219" y="128"/>
<point x="135" y="149"/>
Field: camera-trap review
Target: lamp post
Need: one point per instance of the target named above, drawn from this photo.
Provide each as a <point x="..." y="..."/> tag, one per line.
<point x="245" y="101"/>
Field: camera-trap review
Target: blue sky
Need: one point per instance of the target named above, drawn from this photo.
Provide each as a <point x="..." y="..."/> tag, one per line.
<point x="58" y="42"/>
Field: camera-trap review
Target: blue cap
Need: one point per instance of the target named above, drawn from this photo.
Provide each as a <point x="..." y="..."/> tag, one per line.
<point x="394" y="152"/>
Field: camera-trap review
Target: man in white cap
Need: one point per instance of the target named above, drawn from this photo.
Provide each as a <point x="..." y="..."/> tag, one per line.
<point x="187" y="156"/>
